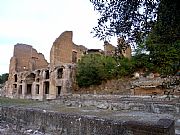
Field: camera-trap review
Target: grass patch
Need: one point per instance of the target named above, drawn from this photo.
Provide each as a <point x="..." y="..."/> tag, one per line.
<point x="8" y="101"/>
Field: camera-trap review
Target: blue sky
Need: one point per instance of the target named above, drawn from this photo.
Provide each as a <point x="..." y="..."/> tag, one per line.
<point x="40" y="22"/>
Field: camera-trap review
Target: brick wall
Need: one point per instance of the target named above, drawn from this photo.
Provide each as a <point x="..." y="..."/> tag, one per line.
<point x="61" y="51"/>
<point x="26" y="58"/>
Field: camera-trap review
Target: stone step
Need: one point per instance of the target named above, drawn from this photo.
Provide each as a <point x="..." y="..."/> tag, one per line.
<point x="177" y="131"/>
<point x="177" y="127"/>
<point x="177" y="122"/>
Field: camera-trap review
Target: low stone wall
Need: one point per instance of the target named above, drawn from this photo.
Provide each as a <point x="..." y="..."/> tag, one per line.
<point x="157" y="104"/>
<point x="57" y="123"/>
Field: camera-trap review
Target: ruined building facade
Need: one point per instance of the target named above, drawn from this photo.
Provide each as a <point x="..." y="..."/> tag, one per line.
<point x="110" y="50"/>
<point x="32" y="77"/>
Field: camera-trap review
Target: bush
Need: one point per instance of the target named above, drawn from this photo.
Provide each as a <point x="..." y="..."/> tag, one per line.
<point x="3" y="78"/>
<point x="94" y="68"/>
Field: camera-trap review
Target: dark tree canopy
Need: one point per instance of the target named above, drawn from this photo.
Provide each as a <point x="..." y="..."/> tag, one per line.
<point x="167" y="27"/>
<point x="3" y="78"/>
<point x="153" y="25"/>
<point x="131" y="19"/>
<point x="163" y="42"/>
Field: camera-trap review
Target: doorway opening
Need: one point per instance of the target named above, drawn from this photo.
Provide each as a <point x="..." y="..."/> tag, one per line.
<point x="29" y="89"/>
<point x="46" y="87"/>
<point x="58" y="90"/>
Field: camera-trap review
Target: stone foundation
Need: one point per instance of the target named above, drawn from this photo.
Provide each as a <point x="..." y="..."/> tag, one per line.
<point x="57" y="123"/>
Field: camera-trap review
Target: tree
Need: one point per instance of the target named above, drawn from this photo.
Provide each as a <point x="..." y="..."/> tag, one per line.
<point x="3" y="78"/>
<point x="93" y="69"/>
<point x="126" y="68"/>
<point x="163" y="42"/>
<point x="153" y="25"/>
<point x="132" y="19"/>
<point x="167" y="27"/>
<point x="142" y="61"/>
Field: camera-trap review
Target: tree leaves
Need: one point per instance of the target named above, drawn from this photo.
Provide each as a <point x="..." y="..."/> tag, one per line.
<point x="124" y="18"/>
<point x="3" y="78"/>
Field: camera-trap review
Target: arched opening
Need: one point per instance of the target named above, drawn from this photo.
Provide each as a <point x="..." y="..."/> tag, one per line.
<point x="29" y="80"/>
<point x="46" y="87"/>
<point x="47" y="74"/>
<point x="37" y="80"/>
<point x="74" y="56"/>
<point x="20" y="89"/>
<point x="58" y="88"/>
<point x="37" y="88"/>
<point x="60" y="73"/>
<point x="38" y="72"/>
<point x="15" y="78"/>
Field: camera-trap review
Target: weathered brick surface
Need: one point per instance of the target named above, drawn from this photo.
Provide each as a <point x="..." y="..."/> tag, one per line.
<point x="109" y="49"/>
<point x="80" y="49"/>
<point x="26" y="58"/>
<point x="63" y="48"/>
<point x="30" y="75"/>
<point x="61" y="51"/>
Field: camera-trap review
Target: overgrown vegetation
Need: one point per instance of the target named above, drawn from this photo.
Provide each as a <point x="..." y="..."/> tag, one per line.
<point x="3" y="78"/>
<point x="153" y="27"/>
<point x="95" y="68"/>
<point x="92" y="69"/>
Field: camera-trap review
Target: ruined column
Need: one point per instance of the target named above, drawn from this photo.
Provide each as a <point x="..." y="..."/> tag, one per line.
<point x="24" y="87"/>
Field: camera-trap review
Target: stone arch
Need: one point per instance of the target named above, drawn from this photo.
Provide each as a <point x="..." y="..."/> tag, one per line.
<point x="30" y="78"/>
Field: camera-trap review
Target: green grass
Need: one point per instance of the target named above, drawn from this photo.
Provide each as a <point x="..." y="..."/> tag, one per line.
<point x="8" y="101"/>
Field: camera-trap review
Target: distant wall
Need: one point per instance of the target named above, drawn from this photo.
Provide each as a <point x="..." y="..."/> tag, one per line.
<point x="26" y="58"/>
<point x="65" y="51"/>
<point x="73" y="124"/>
<point x="119" y="87"/>
<point x="61" y="51"/>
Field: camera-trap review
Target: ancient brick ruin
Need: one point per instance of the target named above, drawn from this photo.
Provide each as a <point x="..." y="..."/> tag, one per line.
<point x="110" y="50"/>
<point x="32" y="77"/>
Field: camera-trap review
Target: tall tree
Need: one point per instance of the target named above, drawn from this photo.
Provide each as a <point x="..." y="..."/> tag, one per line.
<point x="163" y="42"/>
<point x="131" y="19"/>
<point x="154" y="25"/>
<point x="167" y="27"/>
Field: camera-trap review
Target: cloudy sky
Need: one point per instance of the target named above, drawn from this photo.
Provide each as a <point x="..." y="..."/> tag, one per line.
<point x="40" y="22"/>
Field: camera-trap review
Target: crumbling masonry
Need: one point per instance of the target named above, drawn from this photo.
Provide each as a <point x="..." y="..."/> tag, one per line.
<point x="32" y="77"/>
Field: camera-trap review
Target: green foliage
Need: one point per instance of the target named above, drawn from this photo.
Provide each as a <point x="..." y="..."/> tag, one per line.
<point x="94" y="68"/>
<point x="142" y="62"/>
<point x="162" y="58"/>
<point x="167" y="28"/>
<point x="3" y="78"/>
<point x="165" y="57"/>
<point x="163" y="42"/>
<point x="132" y="19"/>
<point x="126" y="67"/>
<point x="20" y="102"/>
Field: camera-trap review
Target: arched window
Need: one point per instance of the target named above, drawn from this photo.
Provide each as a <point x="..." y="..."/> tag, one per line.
<point x="47" y="74"/>
<point x="60" y="73"/>
<point x="15" y="78"/>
